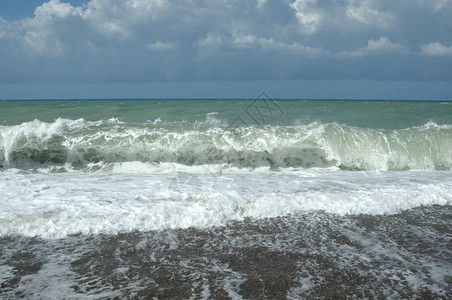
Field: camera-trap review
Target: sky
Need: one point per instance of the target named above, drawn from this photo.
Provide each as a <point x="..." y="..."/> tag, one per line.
<point x="369" y="49"/>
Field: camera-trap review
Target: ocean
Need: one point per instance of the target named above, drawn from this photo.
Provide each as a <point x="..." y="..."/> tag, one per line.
<point x="225" y="199"/>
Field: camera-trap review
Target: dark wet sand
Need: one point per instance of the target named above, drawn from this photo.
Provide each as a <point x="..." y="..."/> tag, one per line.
<point x="314" y="255"/>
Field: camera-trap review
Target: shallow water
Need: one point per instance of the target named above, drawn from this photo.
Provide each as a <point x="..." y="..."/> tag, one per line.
<point x="309" y="255"/>
<point x="225" y="199"/>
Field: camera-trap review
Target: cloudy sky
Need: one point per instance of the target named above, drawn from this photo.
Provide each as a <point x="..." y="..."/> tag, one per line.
<point x="226" y="48"/>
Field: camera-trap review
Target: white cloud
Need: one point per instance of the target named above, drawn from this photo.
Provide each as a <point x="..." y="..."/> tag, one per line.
<point x="117" y="40"/>
<point x="307" y="15"/>
<point x="118" y="19"/>
<point x="294" y="48"/>
<point x="107" y="18"/>
<point x="43" y="43"/>
<point x="41" y="31"/>
<point x="261" y="3"/>
<point x="210" y="40"/>
<point x="436" y="49"/>
<point x="146" y="6"/>
<point x="269" y="44"/>
<point x="3" y="28"/>
<point x="363" y="12"/>
<point x="242" y="40"/>
<point x="111" y="19"/>
<point x="114" y="28"/>
<point x="144" y="10"/>
<point x="56" y="9"/>
<point x="383" y="44"/>
<point x="160" y="46"/>
<point x="247" y="41"/>
<point x="439" y="4"/>
<point x="377" y="47"/>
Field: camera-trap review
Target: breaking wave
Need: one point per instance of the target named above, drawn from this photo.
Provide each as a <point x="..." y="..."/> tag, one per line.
<point x="78" y="143"/>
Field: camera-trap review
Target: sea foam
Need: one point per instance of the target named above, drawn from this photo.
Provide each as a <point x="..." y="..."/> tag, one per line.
<point x="58" y="205"/>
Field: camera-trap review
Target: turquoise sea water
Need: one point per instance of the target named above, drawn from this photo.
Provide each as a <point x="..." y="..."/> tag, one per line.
<point x="369" y="114"/>
<point x="262" y="184"/>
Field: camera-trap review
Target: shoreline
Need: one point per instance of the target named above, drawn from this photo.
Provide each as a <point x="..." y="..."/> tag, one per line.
<point x="307" y="255"/>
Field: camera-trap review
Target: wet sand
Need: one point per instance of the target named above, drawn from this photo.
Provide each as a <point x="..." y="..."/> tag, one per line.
<point x="313" y="255"/>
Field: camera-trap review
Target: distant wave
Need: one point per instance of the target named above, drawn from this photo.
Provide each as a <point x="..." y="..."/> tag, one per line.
<point x="78" y="143"/>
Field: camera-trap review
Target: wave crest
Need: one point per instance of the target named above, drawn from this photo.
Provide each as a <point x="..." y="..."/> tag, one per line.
<point x="316" y="145"/>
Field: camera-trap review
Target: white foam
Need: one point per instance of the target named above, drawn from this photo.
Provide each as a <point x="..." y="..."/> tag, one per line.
<point x="6" y="273"/>
<point x="39" y="144"/>
<point x="58" y="205"/>
<point x="55" y="280"/>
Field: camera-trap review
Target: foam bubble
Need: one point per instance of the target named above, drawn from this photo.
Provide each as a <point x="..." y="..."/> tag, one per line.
<point x="58" y="205"/>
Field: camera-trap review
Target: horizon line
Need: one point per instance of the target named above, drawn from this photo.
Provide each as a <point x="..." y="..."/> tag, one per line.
<point x="228" y="99"/>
